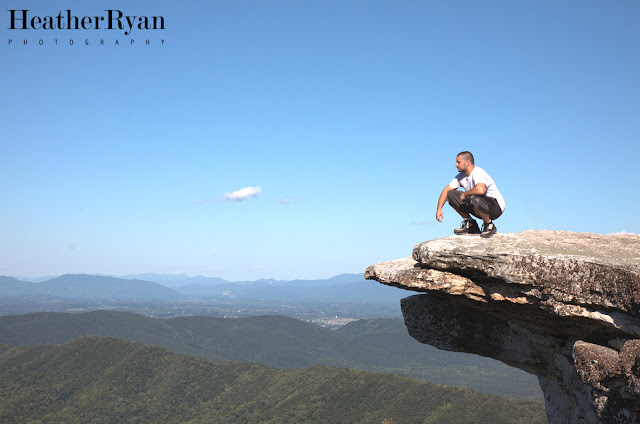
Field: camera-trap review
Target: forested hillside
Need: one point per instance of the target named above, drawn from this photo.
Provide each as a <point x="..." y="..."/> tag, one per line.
<point x="107" y="380"/>
<point x="374" y="345"/>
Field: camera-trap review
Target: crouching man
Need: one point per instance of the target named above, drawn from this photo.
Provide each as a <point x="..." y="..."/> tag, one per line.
<point x="480" y="198"/>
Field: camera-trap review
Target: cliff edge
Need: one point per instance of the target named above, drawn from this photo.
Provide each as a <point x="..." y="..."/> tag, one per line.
<point x="561" y="305"/>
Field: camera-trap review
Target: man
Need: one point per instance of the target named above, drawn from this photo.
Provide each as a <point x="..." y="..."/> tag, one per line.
<point x="481" y="198"/>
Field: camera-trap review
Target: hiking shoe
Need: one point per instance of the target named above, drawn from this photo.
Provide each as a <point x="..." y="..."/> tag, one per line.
<point x="468" y="226"/>
<point x="488" y="229"/>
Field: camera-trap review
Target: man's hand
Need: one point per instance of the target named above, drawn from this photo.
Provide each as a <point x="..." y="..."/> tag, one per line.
<point x="479" y="190"/>
<point x="441" y="201"/>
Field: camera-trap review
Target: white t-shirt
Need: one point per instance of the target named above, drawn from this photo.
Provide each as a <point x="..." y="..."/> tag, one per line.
<point x="478" y="175"/>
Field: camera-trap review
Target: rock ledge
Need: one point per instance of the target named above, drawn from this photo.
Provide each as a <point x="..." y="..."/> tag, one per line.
<point x="564" y="306"/>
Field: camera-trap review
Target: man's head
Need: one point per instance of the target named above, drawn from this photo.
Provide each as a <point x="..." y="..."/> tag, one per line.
<point x="464" y="162"/>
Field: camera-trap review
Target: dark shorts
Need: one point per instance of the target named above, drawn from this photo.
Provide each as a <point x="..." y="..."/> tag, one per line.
<point x="485" y="204"/>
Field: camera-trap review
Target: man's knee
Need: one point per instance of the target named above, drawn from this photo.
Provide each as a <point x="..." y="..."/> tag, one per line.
<point x="454" y="195"/>
<point x="479" y="203"/>
<point x="486" y="205"/>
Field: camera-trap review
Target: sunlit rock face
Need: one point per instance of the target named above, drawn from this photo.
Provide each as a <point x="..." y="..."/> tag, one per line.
<point x="564" y="306"/>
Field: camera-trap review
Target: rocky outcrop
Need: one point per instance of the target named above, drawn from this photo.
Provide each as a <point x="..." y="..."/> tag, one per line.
<point x="564" y="306"/>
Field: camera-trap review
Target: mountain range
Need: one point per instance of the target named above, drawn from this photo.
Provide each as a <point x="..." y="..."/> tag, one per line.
<point x="84" y="286"/>
<point x="177" y="280"/>
<point x="161" y="287"/>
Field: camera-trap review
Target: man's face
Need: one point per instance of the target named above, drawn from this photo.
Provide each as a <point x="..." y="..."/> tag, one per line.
<point x="462" y="164"/>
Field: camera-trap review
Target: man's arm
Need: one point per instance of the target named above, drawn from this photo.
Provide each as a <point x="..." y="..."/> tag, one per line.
<point x="441" y="201"/>
<point x="479" y="190"/>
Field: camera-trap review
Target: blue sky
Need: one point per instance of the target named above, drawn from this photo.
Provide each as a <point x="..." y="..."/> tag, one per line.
<point x="343" y="117"/>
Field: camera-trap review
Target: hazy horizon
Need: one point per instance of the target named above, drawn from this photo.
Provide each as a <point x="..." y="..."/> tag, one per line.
<point x="175" y="275"/>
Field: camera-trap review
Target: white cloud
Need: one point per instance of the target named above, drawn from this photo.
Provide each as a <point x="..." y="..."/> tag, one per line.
<point x="622" y="233"/>
<point x="287" y="200"/>
<point x="243" y="193"/>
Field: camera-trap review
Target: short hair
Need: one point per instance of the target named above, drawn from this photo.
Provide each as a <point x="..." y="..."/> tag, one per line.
<point x="466" y="156"/>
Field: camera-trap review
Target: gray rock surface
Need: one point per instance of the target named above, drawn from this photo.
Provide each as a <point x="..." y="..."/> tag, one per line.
<point x="564" y="306"/>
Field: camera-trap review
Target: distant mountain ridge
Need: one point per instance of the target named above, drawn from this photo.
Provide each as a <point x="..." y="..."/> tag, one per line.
<point x="85" y="286"/>
<point x="10" y="286"/>
<point x="345" y="287"/>
<point x="342" y="288"/>
<point x="177" y="280"/>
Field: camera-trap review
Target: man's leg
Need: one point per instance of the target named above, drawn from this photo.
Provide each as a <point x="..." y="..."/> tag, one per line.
<point x="482" y="215"/>
<point x="469" y="225"/>
<point x="486" y="208"/>
<point x="453" y="197"/>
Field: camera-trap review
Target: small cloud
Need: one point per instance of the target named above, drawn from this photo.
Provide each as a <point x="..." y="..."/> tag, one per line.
<point x="287" y="200"/>
<point x="622" y="233"/>
<point x="244" y="193"/>
<point x="201" y="202"/>
<point x="423" y="222"/>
